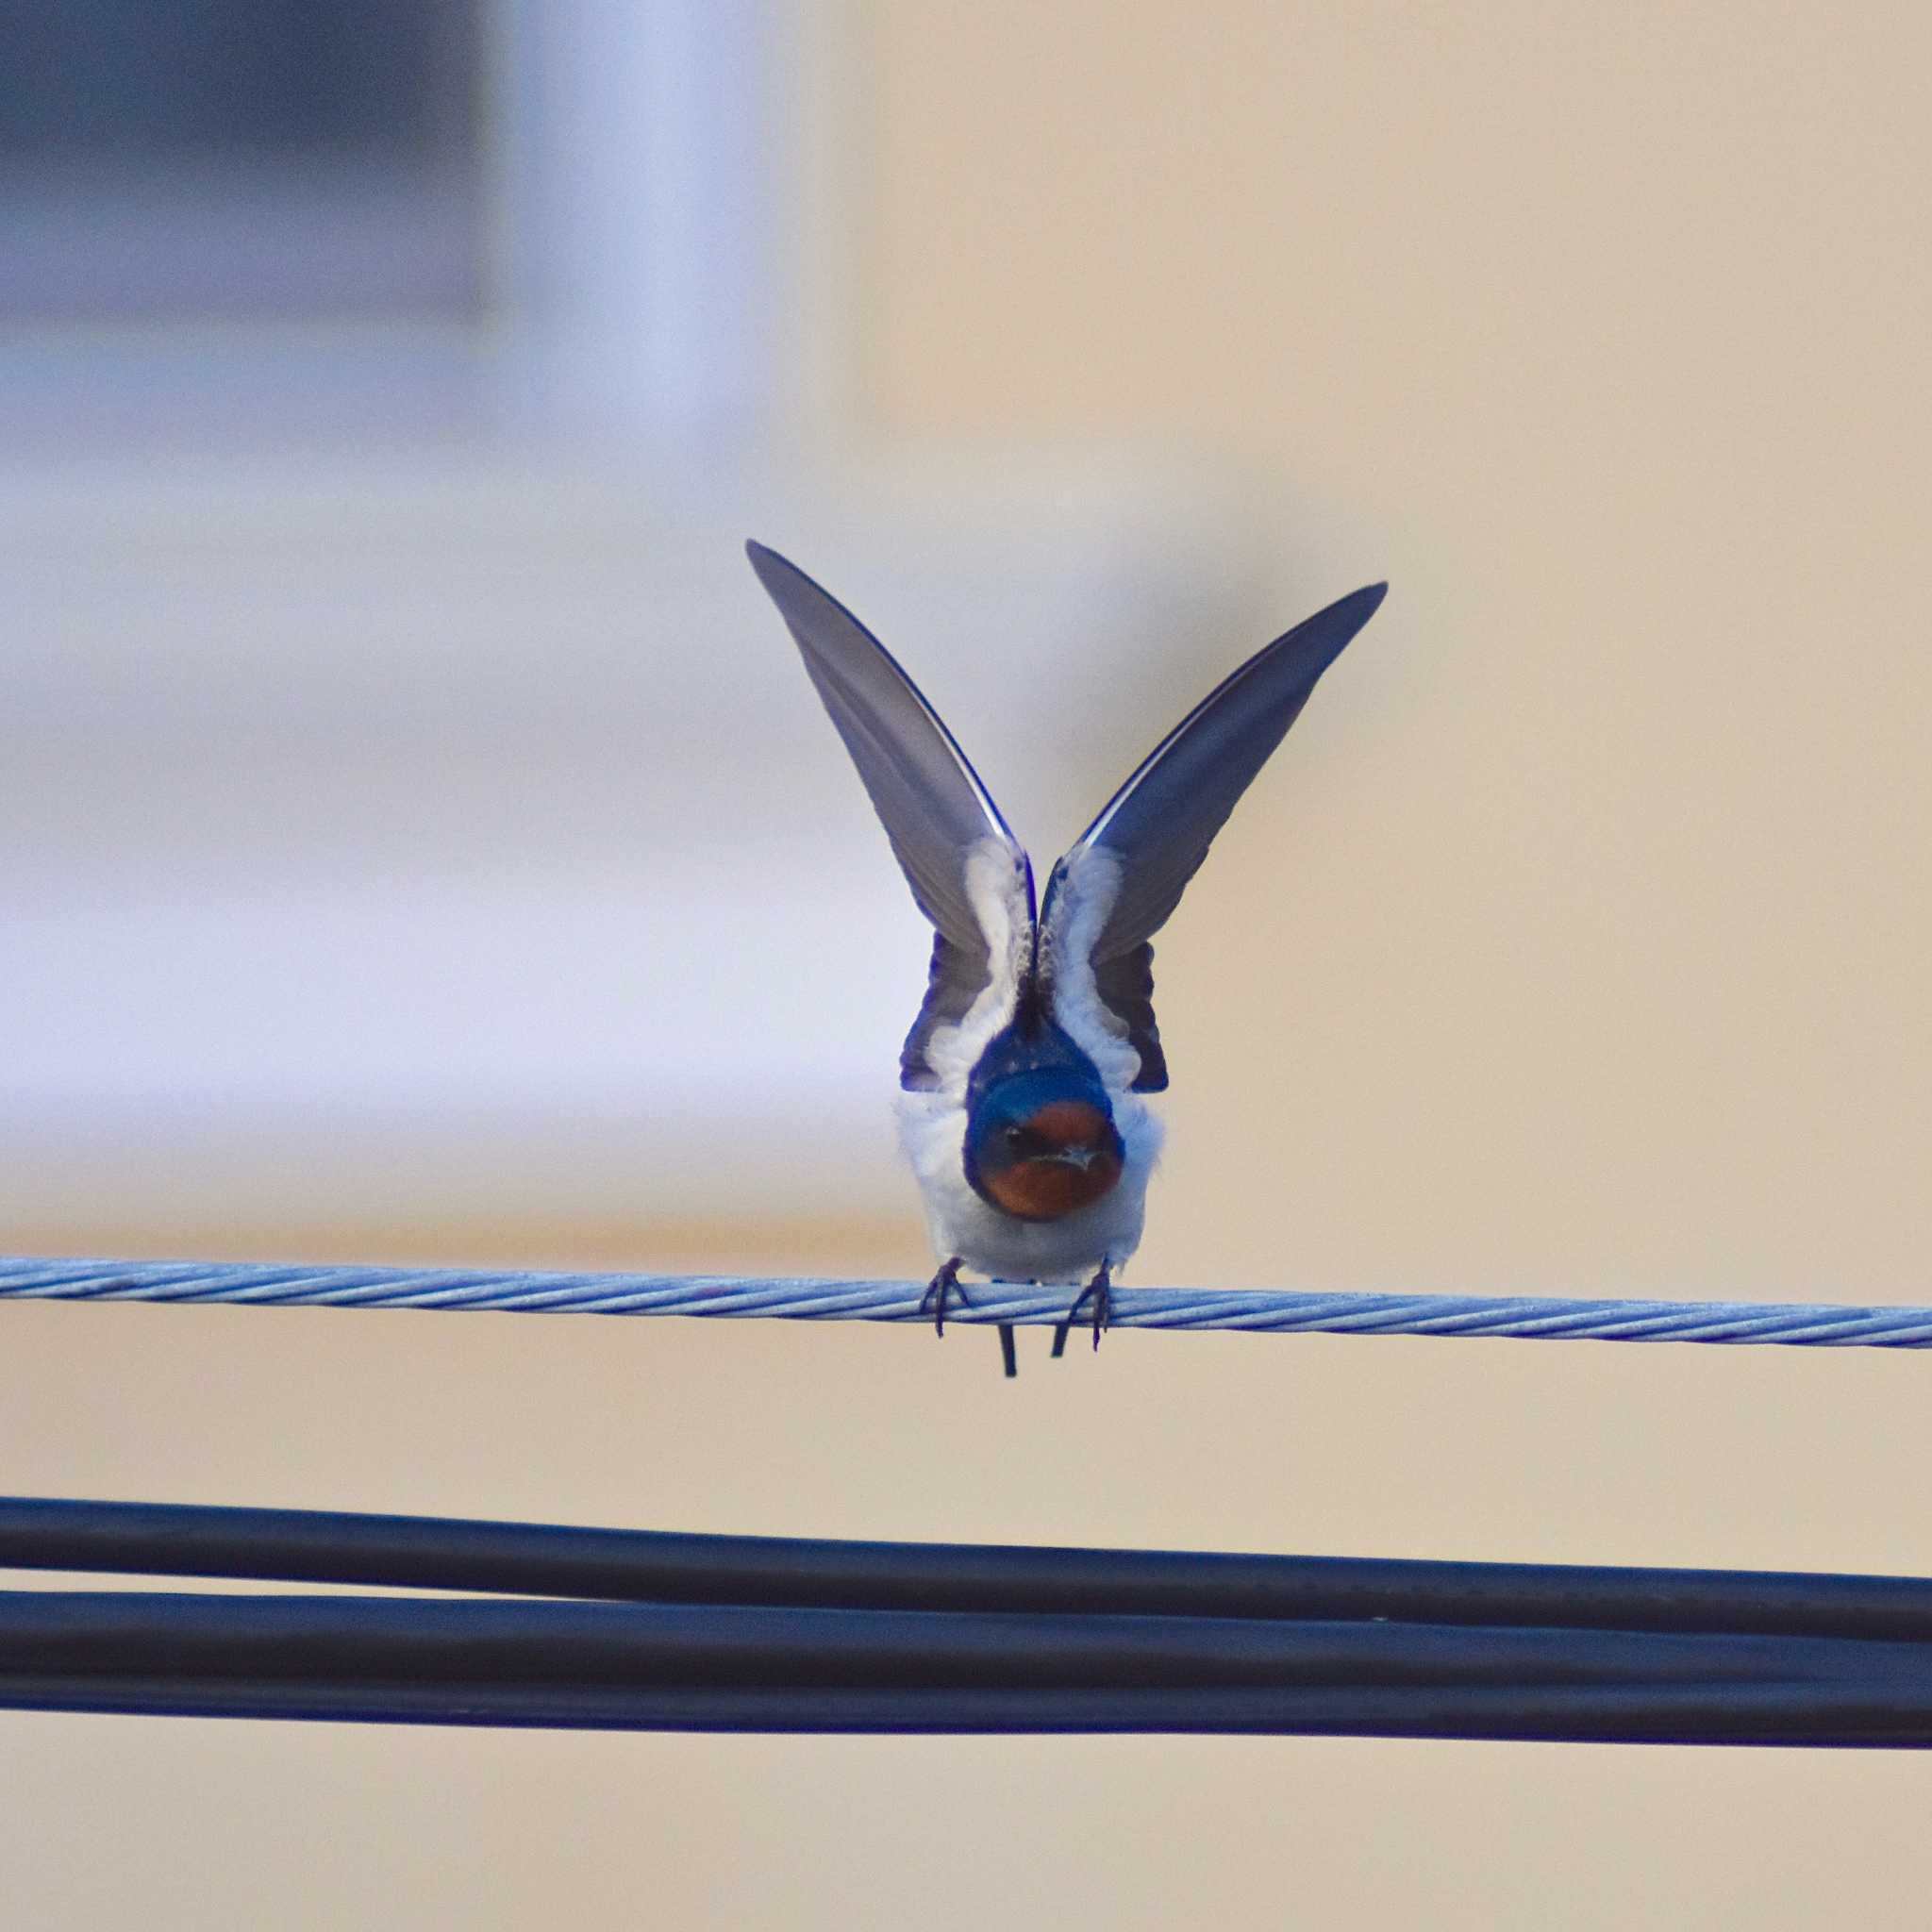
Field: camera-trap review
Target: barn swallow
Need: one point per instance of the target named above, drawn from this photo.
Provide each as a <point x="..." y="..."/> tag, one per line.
<point x="1022" y="1105"/>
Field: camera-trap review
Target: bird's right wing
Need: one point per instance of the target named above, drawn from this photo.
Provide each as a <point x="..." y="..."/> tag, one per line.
<point x="1126" y="873"/>
<point x="968" y="872"/>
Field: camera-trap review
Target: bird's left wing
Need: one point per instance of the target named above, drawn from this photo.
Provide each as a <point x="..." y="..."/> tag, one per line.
<point x="968" y="872"/>
<point x="1115" y="889"/>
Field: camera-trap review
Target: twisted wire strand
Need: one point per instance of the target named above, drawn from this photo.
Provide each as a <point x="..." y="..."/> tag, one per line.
<point x="1269" y="1310"/>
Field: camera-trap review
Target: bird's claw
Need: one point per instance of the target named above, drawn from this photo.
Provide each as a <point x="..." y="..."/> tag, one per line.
<point x="938" y="1291"/>
<point x="1100" y="1292"/>
<point x="941" y="1289"/>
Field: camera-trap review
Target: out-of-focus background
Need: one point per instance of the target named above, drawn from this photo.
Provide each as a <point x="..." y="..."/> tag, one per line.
<point x="420" y="844"/>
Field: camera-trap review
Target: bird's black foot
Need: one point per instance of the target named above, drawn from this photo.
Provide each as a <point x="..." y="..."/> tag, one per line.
<point x="1100" y="1292"/>
<point x="941" y="1289"/>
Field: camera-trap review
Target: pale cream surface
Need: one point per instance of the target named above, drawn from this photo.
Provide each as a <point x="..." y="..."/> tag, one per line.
<point x="1578" y="943"/>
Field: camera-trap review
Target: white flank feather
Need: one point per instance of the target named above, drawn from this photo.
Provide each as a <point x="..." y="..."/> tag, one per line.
<point x="1090" y="882"/>
<point x="996" y="889"/>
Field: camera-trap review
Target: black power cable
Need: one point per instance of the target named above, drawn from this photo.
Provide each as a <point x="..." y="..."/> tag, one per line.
<point x="745" y="1633"/>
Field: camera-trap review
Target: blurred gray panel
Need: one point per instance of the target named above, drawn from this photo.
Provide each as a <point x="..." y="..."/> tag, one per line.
<point x="466" y="833"/>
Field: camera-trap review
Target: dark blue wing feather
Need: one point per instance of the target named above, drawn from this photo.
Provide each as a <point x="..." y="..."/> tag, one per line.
<point x="1125" y="987"/>
<point x="930" y="800"/>
<point x="1160" y="825"/>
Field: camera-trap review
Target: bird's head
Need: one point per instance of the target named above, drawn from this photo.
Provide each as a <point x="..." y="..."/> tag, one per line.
<point x="1041" y="1140"/>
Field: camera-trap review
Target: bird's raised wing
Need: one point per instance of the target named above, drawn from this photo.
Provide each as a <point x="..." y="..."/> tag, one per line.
<point x="968" y="872"/>
<point x="1115" y="889"/>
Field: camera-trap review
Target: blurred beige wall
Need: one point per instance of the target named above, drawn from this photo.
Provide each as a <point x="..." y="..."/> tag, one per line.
<point x="1578" y="942"/>
<point x="1586" y="919"/>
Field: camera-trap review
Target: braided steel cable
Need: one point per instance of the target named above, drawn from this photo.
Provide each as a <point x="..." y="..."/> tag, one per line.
<point x="1269" y="1310"/>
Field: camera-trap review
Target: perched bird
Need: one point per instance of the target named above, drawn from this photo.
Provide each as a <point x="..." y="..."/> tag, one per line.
<point x="1022" y="1080"/>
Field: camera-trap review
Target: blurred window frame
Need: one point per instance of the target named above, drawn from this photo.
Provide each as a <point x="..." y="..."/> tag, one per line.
<point x="625" y="257"/>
